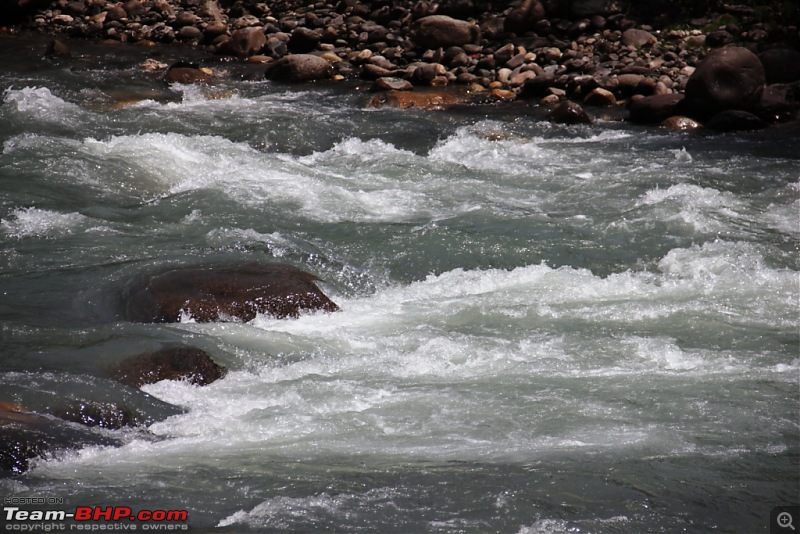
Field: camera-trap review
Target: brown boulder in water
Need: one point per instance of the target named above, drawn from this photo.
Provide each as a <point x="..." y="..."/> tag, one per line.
<point x="569" y="113"/>
<point x="172" y="363"/>
<point x="25" y="436"/>
<point x="103" y="414"/>
<point x="299" y="68"/>
<point x="224" y="293"/>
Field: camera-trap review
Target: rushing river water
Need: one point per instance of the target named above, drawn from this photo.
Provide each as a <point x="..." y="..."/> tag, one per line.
<point x="543" y="328"/>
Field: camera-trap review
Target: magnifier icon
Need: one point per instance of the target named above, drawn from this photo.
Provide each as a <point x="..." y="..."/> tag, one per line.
<point x="785" y="520"/>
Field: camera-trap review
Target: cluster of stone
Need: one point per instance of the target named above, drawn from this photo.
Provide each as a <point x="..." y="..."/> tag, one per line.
<point x="590" y="53"/>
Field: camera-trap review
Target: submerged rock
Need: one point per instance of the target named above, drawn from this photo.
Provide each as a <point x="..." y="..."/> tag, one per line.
<point x="171" y="363"/>
<point x="733" y="120"/>
<point x="569" y="113"/>
<point x="187" y="73"/>
<point x="227" y="293"/>
<point x="26" y="436"/>
<point x="102" y="414"/>
<point x="427" y="99"/>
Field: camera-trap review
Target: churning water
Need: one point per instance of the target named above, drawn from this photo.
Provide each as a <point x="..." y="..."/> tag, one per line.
<point x="543" y="328"/>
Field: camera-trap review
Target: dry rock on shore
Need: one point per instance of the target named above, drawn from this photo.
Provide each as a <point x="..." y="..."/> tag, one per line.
<point x="728" y="78"/>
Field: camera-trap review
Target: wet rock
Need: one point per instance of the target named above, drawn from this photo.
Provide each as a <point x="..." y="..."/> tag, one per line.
<point x="170" y="363"/>
<point x="299" y="68"/>
<point x="426" y="73"/>
<point x="522" y="19"/>
<point x="732" y="120"/>
<point x="26" y="436"/>
<point x="728" y="78"/>
<point x="569" y="113"/>
<point x="428" y="99"/>
<point x="680" y="124"/>
<point x="600" y="97"/>
<point x="374" y="72"/>
<point x="655" y="109"/>
<point x="104" y="415"/>
<point x="778" y="103"/>
<point x="59" y="49"/>
<point x="388" y="83"/>
<point x="230" y="292"/>
<point x="187" y="73"/>
<point x="502" y="95"/>
<point x="441" y="31"/>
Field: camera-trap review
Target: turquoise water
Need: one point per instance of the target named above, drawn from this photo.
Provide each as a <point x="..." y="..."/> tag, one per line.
<point x="543" y="328"/>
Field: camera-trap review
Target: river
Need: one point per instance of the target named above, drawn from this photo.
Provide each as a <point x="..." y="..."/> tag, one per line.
<point x="543" y="328"/>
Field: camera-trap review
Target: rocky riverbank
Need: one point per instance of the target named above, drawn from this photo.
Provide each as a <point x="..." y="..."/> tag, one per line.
<point x="546" y="53"/>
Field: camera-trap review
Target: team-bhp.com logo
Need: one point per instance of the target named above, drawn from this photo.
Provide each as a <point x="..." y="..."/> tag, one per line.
<point x="94" y="518"/>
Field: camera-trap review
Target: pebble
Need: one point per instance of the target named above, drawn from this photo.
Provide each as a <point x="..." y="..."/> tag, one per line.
<point x="597" y="59"/>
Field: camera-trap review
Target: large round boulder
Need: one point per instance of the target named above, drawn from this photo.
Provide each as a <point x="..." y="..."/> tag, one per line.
<point x="728" y="78"/>
<point x="299" y="68"/>
<point x="441" y="31"/>
<point x="236" y="292"/>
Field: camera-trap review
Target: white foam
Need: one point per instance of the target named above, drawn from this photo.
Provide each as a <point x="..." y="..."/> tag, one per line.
<point x="280" y="512"/>
<point x="276" y="243"/>
<point x="784" y="218"/>
<point x="39" y="103"/>
<point x="706" y="210"/>
<point x="35" y="222"/>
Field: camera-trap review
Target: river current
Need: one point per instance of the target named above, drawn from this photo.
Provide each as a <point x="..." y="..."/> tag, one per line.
<point x="543" y="328"/>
